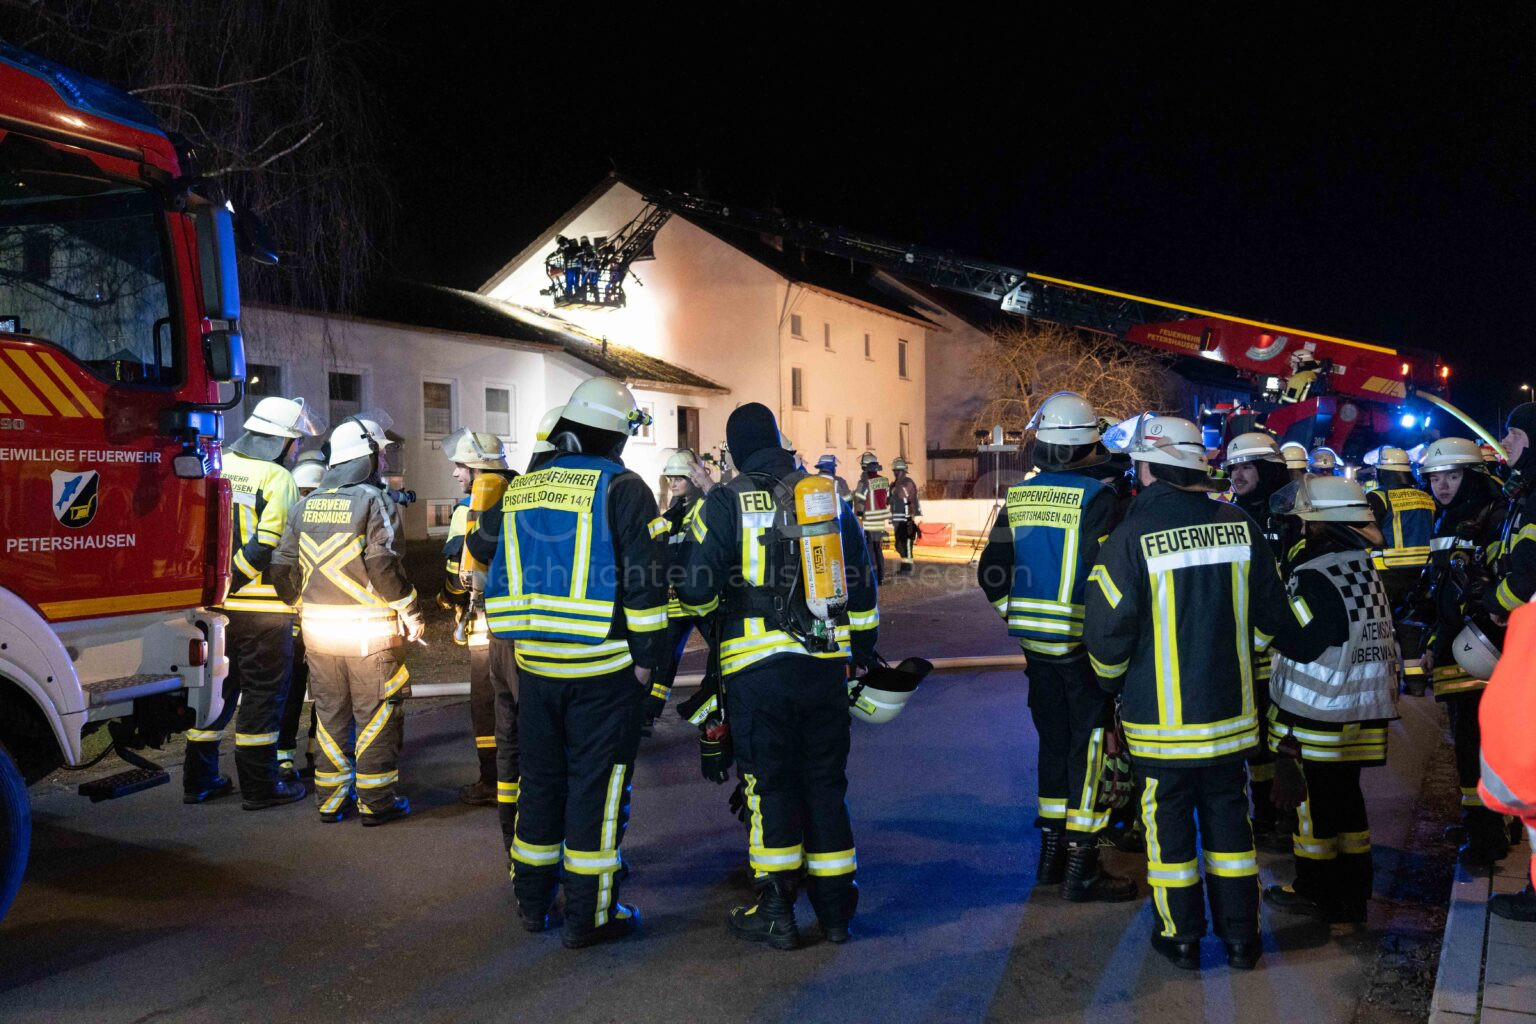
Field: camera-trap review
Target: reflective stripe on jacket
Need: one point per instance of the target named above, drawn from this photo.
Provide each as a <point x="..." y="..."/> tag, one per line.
<point x="1407" y="523"/>
<point x="263" y="494"/>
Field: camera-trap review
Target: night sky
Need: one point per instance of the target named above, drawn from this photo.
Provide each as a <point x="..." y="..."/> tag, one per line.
<point x="1354" y="176"/>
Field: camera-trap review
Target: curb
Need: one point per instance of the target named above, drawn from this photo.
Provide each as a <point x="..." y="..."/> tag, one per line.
<point x="1487" y="964"/>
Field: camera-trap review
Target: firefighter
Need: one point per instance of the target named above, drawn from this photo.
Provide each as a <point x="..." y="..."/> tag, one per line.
<point x="872" y="504"/>
<point x="341" y="555"/>
<point x="577" y="579"/>
<point x="1181" y="590"/>
<point x="1334" y="687"/>
<point x="1033" y="570"/>
<point x="1514" y="556"/>
<point x="1257" y="471"/>
<point x="1467" y="530"/>
<point x="1494" y="463"/>
<point x="260" y="635"/>
<point x="1509" y="761"/>
<point x="1295" y="456"/>
<point x="827" y="466"/>
<point x="307" y="472"/>
<point x="1405" y="516"/>
<point x="474" y="453"/>
<point x="784" y="668"/>
<point x="1324" y="462"/>
<point x="688" y="481"/>
<point x="905" y="509"/>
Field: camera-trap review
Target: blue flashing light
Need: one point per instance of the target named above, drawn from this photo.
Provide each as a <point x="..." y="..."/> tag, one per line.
<point x="1409" y="419"/>
<point x="81" y="91"/>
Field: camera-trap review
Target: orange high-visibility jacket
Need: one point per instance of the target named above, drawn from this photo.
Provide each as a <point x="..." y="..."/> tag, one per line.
<point x="1508" y="712"/>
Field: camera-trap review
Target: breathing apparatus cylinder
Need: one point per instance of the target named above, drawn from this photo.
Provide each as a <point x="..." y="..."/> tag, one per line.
<point x="821" y="546"/>
<point x="484" y="495"/>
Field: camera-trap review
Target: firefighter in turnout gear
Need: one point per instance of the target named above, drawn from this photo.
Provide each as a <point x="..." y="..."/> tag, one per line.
<point x="475" y="454"/>
<point x="307" y="473"/>
<point x="340" y="555"/>
<point x="872" y="503"/>
<point x="1257" y="471"/>
<point x="1514" y="556"/>
<point x="260" y="636"/>
<point x="1033" y="571"/>
<point x="1334" y="687"/>
<point x="1324" y="462"/>
<point x="827" y="466"/>
<point x="1405" y="516"/>
<point x="1467" y="531"/>
<point x="687" y="481"/>
<point x="905" y="509"/>
<point x="1184" y="592"/>
<point x="786" y="643"/>
<point x="1295" y="456"/>
<point x="576" y="579"/>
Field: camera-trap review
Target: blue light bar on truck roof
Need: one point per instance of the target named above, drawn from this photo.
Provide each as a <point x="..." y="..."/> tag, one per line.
<point x="82" y="92"/>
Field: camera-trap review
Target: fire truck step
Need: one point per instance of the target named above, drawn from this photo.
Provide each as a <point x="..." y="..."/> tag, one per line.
<point x="131" y="781"/>
<point x="126" y="688"/>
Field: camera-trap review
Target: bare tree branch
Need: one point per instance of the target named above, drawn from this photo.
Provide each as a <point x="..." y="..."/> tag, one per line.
<point x="206" y="90"/>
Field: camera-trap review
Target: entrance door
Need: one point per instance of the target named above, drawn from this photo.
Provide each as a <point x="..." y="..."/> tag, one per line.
<point x="688" y="428"/>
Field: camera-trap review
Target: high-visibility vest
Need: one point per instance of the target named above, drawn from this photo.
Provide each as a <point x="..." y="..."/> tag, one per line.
<point x="1407" y="529"/>
<point x="875" y="502"/>
<point x="263" y="494"/>
<point x="1051" y="564"/>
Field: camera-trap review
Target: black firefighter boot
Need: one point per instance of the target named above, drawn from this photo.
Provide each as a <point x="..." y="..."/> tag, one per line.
<point x="772" y="918"/>
<point x="1487" y="839"/>
<point x="1053" y="857"/>
<point x="1516" y="906"/>
<point x="1086" y="882"/>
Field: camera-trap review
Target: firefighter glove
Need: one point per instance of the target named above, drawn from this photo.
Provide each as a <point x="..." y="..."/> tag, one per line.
<point x="411" y="623"/>
<point x="1290" y="788"/>
<point x="715" y="751"/>
<point x="738" y="802"/>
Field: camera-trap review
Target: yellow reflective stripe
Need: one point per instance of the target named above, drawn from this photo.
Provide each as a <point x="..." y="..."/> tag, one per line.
<point x="1155" y="855"/>
<point x="708" y="708"/>
<point x="575" y="669"/>
<point x="1302" y="609"/>
<point x="485" y="742"/>
<point x="377" y="780"/>
<point x="396" y="681"/>
<point x="329" y="779"/>
<point x="658" y="526"/>
<point x="1470" y="797"/>
<point x="1001" y="604"/>
<point x="205" y="735"/>
<point x="405" y="602"/>
<point x="255" y="739"/>
<point x="1053" y="807"/>
<point x="1106" y="669"/>
<point x="1165" y="647"/>
<point x="508" y="792"/>
<point x="545" y="623"/>
<point x="1507" y="599"/>
<point x="1159" y="731"/>
<point x="374" y="727"/>
<point x="699" y="611"/>
<point x="1231" y="865"/>
<point x="776" y="858"/>
<point x="1173" y="876"/>
<point x="1046" y="625"/>
<point x="1164" y="751"/>
<point x="1083" y="817"/>
<point x="864" y="620"/>
<point x="660" y="690"/>
<point x="646" y="620"/>
<point x="754" y="811"/>
<point x="842" y="862"/>
<point x="533" y="854"/>
<point x="1100" y="575"/>
<point x="244" y="564"/>
<point x="1065" y="609"/>
<point x="1045" y="646"/>
<point x="591" y="862"/>
<point x="1354" y="842"/>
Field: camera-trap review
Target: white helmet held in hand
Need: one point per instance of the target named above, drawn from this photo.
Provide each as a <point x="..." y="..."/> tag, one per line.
<point x="1255" y="446"/>
<point x="546" y="425"/>
<point x="879" y="695"/>
<point x="359" y="436"/>
<point x="606" y="404"/>
<point x="1475" y="652"/>
<point x="1168" y="441"/>
<point x="284" y="417"/>
<point x="1323" y="499"/>
<point x="475" y="449"/>
<point x="1451" y="453"/>
<point x="1065" y="418"/>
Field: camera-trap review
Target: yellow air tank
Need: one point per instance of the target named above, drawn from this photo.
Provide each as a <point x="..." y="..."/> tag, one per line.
<point x="485" y="495"/>
<point x="821" y="546"/>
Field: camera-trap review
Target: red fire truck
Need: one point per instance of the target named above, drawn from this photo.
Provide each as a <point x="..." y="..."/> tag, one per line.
<point x="119" y="321"/>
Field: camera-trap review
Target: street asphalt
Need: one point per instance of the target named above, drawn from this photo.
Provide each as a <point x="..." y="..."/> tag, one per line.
<point x="147" y="910"/>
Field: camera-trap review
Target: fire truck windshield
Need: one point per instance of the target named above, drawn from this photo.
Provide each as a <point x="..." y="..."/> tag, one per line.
<point x="83" y="267"/>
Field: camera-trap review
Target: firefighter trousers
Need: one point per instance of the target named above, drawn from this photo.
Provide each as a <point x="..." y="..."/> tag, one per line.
<point x="260" y="649"/>
<point x="577" y="738"/>
<point x="1467" y="742"/>
<point x="1332" y="841"/>
<point x="905" y="532"/>
<point x="874" y="540"/>
<point x="293" y="705"/>
<point x="501" y="675"/>
<point x="790" y="726"/>
<point x="1069" y="711"/>
<point x="482" y="709"/>
<point x="1174" y="798"/>
<point x="1261" y="761"/>
<point x="359" y="715"/>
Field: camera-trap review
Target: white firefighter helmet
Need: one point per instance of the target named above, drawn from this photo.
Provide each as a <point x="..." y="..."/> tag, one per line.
<point x="546" y="424"/>
<point x="284" y="417"/>
<point x="308" y="470"/>
<point x="899" y="463"/>
<point x="1255" y="446"/>
<point x="1475" y="652"/>
<point x="680" y="463"/>
<point x="605" y="404"/>
<point x="475" y="449"/>
<point x="868" y="459"/>
<point x="1065" y="418"/>
<point x="1388" y="459"/>
<point x="1323" y="461"/>
<point x="1450" y="453"/>
<point x="1169" y="441"/>
<point x="1323" y="499"/>
<point x="359" y="436"/>
<point x="879" y="695"/>
<point x="827" y="463"/>
<point x="1295" y="455"/>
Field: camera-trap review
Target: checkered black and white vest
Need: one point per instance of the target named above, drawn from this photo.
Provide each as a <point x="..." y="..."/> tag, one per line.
<point x="1351" y="682"/>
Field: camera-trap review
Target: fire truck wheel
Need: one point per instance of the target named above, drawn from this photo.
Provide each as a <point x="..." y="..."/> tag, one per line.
<point x="15" y="829"/>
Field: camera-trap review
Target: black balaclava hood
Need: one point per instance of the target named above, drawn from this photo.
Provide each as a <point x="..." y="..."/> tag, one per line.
<point x="1395" y="480"/>
<point x="752" y="434"/>
<point x="1524" y="417"/>
<point x="606" y="444"/>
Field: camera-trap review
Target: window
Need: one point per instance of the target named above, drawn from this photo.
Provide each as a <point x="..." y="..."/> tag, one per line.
<point x="829" y="430"/>
<point x="901" y="358"/>
<point x="826" y="336"/>
<point x="848" y="432"/>
<point x="796" y="328"/>
<point x="868" y="354"/>
<point x="261" y="381"/>
<point x="498" y="411"/>
<point x="436" y="407"/>
<point x="346" y="396"/>
<point x="869" y="434"/>
<point x="797" y="387"/>
<point x="439" y="515"/>
<point x="904" y="440"/>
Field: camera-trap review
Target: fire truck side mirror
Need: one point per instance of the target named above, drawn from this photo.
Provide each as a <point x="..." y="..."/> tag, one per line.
<point x="224" y="354"/>
<point x="216" y="263"/>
